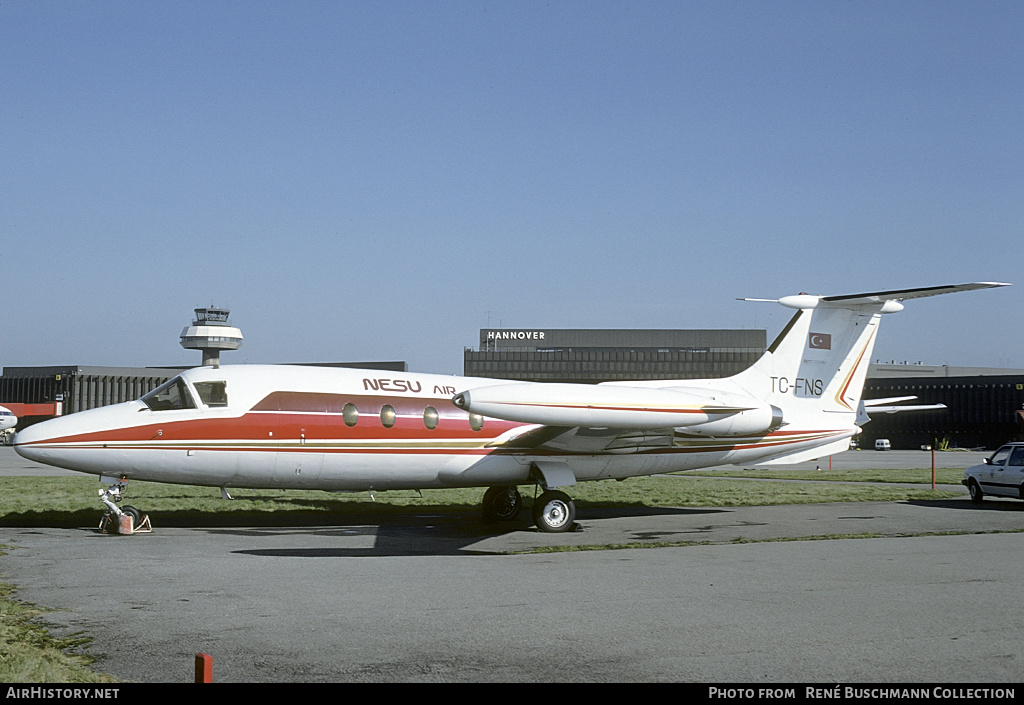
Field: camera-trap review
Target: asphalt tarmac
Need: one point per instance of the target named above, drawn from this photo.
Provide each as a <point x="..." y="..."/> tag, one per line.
<point x="438" y="598"/>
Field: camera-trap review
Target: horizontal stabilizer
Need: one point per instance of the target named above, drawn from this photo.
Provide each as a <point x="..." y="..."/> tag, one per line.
<point x="903" y="294"/>
<point x="890" y="300"/>
<point x="908" y="407"/>
<point x="891" y="405"/>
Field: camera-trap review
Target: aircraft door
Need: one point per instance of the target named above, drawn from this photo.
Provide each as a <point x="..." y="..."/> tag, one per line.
<point x="297" y="468"/>
<point x="299" y="458"/>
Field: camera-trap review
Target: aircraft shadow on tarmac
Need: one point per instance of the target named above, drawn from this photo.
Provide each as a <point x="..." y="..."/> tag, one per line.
<point x="448" y="533"/>
<point x="393" y="530"/>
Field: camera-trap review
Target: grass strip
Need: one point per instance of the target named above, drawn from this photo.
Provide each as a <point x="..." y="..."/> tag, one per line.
<point x="72" y="501"/>
<point x="920" y="476"/>
<point x="29" y="653"/>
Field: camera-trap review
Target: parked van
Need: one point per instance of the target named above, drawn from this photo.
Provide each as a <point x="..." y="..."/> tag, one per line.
<point x="882" y="444"/>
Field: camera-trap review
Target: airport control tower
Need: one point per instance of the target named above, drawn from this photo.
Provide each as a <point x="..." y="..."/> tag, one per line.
<point x="211" y="333"/>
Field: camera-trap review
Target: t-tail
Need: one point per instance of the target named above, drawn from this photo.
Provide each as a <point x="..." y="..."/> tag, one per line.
<point x="815" y="369"/>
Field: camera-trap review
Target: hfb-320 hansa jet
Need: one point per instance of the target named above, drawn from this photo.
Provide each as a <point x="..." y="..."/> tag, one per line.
<point x="279" y="426"/>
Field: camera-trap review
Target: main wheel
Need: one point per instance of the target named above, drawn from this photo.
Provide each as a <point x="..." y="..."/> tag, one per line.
<point x="502" y="503"/>
<point x="554" y="512"/>
<point x="975" y="489"/>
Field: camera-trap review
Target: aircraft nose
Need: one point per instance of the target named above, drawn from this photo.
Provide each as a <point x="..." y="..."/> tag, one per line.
<point x="37" y="442"/>
<point x="52" y="442"/>
<point x="25" y="439"/>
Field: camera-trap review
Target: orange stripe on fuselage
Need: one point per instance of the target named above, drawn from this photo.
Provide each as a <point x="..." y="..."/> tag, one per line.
<point x="261" y="426"/>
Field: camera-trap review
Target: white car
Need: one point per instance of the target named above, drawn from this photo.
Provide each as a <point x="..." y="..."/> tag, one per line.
<point x="1001" y="474"/>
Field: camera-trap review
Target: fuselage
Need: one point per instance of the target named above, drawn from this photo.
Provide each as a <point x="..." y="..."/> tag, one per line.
<point x="340" y="429"/>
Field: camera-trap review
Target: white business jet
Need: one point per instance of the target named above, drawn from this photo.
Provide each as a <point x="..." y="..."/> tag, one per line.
<point x="340" y="429"/>
<point x="7" y="419"/>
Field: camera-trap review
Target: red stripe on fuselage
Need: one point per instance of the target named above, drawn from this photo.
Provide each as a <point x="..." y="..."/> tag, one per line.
<point x="294" y="415"/>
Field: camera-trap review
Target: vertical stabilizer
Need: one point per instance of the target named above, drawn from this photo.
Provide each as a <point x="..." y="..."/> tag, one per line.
<point x="818" y="363"/>
<point x="820" y="360"/>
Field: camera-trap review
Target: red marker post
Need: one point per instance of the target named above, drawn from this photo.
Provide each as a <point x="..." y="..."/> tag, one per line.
<point x="204" y="668"/>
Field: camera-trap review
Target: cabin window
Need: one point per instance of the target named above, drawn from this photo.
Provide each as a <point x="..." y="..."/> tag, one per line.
<point x="212" y="393"/>
<point x="387" y="416"/>
<point x="350" y="415"/>
<point x="170" y="396"/>
<point x="476" y="422"/>
<point x="430" y="418"/>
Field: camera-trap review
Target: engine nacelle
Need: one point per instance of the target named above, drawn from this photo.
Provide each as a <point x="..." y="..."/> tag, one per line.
<point x="698" y="411"/>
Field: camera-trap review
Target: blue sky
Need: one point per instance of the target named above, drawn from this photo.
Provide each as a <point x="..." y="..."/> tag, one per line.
<point x="379" y="180"/>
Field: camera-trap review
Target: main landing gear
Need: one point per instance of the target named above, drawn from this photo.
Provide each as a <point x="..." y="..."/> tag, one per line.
<point x="553" y="511"/>
<point x="116" y="520"/>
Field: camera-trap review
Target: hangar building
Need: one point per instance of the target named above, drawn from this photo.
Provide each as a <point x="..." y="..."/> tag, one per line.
<point x="64" y="389"/>
<point x="984" y="406"/>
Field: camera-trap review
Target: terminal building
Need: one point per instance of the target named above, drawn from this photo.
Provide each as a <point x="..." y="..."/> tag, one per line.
<point x="590" y="356"/>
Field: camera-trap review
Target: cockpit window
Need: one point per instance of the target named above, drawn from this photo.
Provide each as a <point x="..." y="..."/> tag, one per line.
<point x="170" y="395"/>
<point x="212" y="393"/>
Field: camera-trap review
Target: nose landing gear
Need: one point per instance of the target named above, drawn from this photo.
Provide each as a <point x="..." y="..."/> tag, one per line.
<point x="126" y="521"/>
